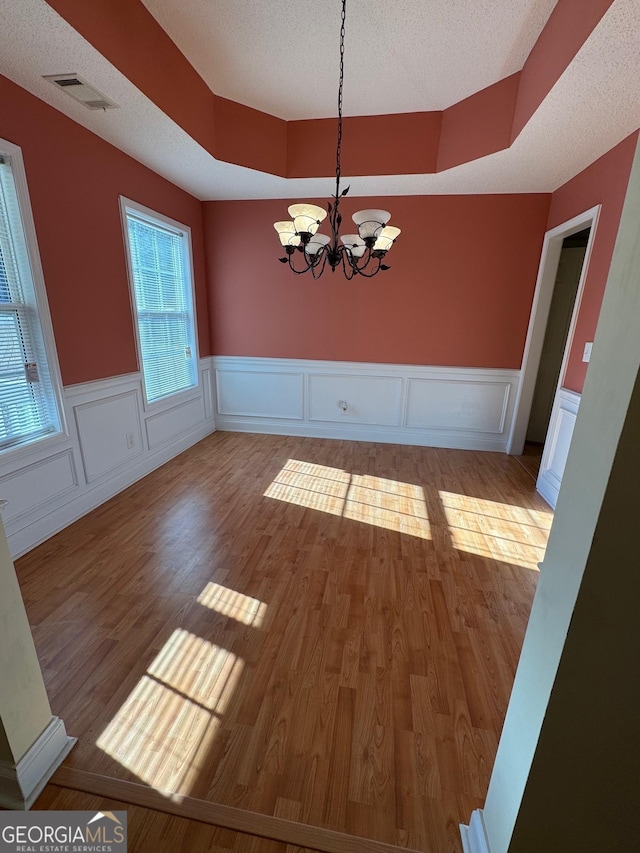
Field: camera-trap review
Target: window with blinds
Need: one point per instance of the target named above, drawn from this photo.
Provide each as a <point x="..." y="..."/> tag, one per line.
<point x="161" y="279"/>
<point x="28" y="403"/>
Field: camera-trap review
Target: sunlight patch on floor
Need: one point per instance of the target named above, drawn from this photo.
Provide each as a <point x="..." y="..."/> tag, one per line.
<point x="496" y="531"/>
<point x="385" y="503"/>
<point x="312" y="486"/>
<point x="235" y="605"/>
<point x="389" y="504"/>
<point x="163" y="731"/>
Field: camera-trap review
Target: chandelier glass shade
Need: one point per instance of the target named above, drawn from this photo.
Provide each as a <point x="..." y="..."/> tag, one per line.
<point x="308" y="250"/>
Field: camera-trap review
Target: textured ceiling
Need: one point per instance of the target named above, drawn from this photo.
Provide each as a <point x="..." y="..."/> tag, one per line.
<point x="281" y="56"/>
<point x="594" y="105"/>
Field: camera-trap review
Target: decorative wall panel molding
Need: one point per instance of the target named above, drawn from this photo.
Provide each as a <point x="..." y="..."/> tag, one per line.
<point x="469" y="408"/>
<point x="261" y="393"/>
<point x="164" y="426"/>
<point x="476" y="406"/>
<point x="112" y="442"/>
<point x="109" y="433"/>
<point x="365" y="399"/>
<point x="556" y="447"/>
<point x="36" y="485"/>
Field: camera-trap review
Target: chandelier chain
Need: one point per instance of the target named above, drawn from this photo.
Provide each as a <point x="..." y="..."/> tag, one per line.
<point x="340" y="86"/>
<point x="361" y="254"/>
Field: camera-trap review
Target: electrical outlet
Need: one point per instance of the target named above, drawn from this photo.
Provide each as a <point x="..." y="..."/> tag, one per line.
<point x="131" y="442"/>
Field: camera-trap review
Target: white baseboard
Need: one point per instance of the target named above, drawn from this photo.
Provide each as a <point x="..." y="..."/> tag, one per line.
<point x="20" y="786"/>
<point x="464" y="408"/>
<point x="474" y="836"/>
<point x="359" y="433"/>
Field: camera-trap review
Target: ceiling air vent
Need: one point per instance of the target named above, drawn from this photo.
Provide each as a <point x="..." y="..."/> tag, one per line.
<point x="81" y="91"/>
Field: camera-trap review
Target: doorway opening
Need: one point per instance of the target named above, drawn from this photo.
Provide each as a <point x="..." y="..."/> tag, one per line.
<point x="561" y="276"/>
<point x="556" y="334"/>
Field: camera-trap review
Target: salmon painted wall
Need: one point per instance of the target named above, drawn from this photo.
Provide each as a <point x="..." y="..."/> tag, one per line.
<point x="75" y="179"/>
<point x="459" y="291"/>
<point x="604" y="182"/>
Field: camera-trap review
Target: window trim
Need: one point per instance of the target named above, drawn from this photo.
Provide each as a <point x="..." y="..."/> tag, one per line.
<point x="154" y="218"/>
<point x="14" y="153"/>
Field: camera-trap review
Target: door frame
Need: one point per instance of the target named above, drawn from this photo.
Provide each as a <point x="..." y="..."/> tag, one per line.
<point x="545" y="284"/>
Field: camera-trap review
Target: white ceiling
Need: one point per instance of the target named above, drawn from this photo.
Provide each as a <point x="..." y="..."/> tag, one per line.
<point x="281" y="56"/>
<point x="594" y="105"/>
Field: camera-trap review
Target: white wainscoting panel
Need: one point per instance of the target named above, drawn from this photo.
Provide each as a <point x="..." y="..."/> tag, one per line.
<point x="112" y="442"/>
<point x="404" y="404"/>
<point x="479" y="406"/>
<point x="259" y="394"/>
<point x="109" y="433"/>
<point x="369" y="399"/>
<point x="556" y="446"/>
<point x="35" y="485"/>
<point x="164" y="426"/>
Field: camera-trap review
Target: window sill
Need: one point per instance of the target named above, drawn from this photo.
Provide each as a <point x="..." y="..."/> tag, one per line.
<point x="172" y="400"/>
<point x="40" y="445"/>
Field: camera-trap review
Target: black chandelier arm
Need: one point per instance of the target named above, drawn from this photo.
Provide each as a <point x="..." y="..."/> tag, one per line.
<point x="351" y="263"/>
<point x="337" y="256"/>
<point x="318" y="268"/>
<point x="345" y="263"/>
<point x="362" y="271"/>
<point x="287" y="260"/>
<point x="312" y="262"/>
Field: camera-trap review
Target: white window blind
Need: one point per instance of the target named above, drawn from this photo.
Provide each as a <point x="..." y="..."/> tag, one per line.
<point x="161" y="279"/>
<point x="28" y="408"/>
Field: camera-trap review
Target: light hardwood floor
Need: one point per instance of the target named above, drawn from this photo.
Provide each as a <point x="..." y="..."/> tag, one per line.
<point x="321" y="631"/>
<point x="530" y="459"/>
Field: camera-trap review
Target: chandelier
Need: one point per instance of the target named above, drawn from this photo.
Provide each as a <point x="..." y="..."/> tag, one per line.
<point x="307" y="250"/>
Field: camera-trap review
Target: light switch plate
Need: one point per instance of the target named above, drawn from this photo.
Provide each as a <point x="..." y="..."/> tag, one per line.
<point x="586" y="355"/>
